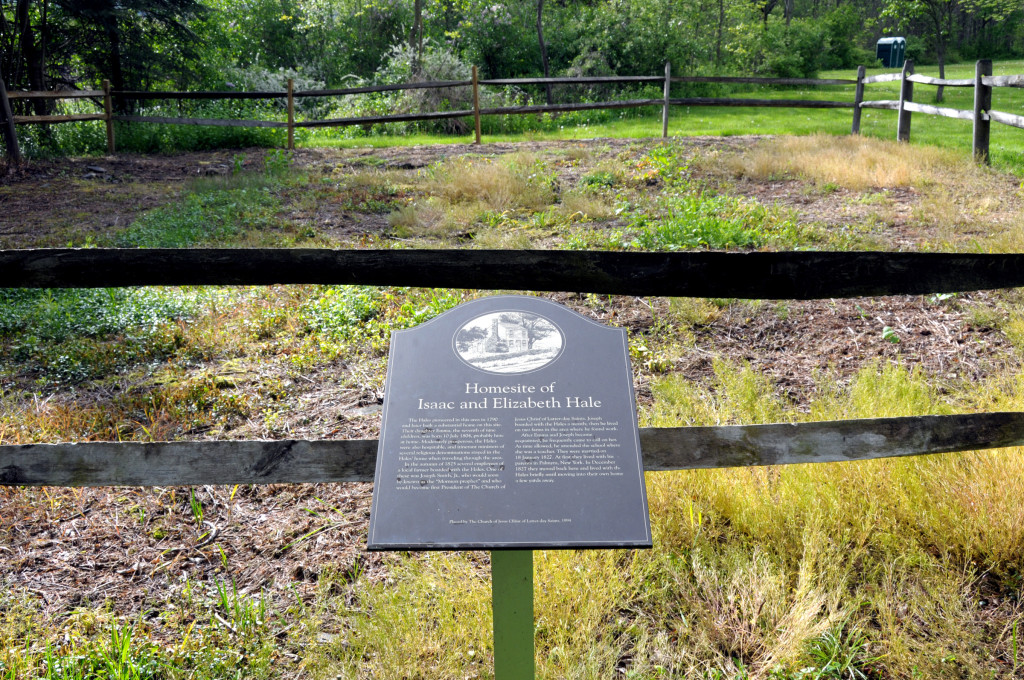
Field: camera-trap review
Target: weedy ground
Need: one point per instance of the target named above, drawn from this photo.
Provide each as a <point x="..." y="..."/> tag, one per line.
<point x="895" y="568"/>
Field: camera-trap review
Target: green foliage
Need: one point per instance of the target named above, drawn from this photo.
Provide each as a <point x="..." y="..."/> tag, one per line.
<point x="698" y="221"/>
<point x="840" y="654"/>
<point x="69" y="335"/>
<point x="362" y="317"/>
<point x="59" y="314"/>
<point x="124" y="657"/>
<point x="160" y="138"/>
<point x="690" y="215"/>
<point x="341" y="311"/>
<point x="204" y="218"/>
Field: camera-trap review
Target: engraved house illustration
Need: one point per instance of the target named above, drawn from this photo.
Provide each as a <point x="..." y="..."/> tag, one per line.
<point x="507" y="336"/>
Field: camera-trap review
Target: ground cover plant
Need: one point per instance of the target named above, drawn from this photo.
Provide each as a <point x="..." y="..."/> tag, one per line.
<point x="895" y="568"/>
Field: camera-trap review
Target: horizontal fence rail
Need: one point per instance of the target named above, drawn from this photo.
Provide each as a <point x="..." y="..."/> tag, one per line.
<point x="682" y="448"/>
<point x="755" y="275"/>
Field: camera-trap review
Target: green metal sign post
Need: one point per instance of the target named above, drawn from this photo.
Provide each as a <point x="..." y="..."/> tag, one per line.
<point x="512" y="602"/>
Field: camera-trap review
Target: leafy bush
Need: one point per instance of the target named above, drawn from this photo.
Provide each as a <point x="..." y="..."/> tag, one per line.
<point x="258" y="79"/>
<point x="437" y="64"/>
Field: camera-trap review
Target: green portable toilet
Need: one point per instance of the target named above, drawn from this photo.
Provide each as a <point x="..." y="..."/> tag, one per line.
<point x="892" y="52"/>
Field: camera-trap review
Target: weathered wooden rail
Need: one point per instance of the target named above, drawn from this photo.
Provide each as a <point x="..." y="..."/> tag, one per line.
<point x="803" y="275"/>
<point x="789" y="275"/>
<point x="354" y="460"/>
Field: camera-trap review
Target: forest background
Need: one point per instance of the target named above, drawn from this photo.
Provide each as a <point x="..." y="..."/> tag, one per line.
<point x="260" y="44"/>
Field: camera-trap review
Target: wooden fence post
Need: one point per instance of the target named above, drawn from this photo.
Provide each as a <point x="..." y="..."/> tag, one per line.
<point x="476" y="103"/>
<point x="906" y="95"/>
<point x="10" y="135"/>
<point x="982" y="104"/>
<point x="108" y="112"/>
<point x="858" y="97"/>
<point x="664" y="109"/>
<point x="291" y="114"/>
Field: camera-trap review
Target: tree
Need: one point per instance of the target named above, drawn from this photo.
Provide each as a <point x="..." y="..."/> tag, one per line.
<point x="543" y="48"/>
<point x="465" y="338"/>
<point x="536" y="327"/>
<point x="416" y="37"/>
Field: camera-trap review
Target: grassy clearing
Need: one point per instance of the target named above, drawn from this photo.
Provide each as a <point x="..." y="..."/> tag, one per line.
<point x="902" y="568"/>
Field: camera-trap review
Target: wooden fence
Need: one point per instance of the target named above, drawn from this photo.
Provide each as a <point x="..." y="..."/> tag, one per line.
<point x="981" y="115"/>
<point x="784" y="275"/>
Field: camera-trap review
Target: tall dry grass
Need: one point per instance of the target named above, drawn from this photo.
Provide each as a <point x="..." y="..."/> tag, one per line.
<point x="852" y="162"/>
<point x="901" y="568"/>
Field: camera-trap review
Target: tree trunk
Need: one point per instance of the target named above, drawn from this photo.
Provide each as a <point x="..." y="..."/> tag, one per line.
<point x="32" y="55"/>
<point x="543" y="47"/>
<point x="416" y="37"/>
<point x="718" y="39"/>
<point x="117" y="81"/>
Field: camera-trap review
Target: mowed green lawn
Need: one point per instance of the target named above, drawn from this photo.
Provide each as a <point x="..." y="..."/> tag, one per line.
<point x="1007" y="143"/>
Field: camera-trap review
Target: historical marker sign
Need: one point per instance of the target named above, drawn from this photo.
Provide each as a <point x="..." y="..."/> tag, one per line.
<point x="509" y="422"/>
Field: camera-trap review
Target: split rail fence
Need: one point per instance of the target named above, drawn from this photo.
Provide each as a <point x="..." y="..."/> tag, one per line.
<point x="783" y="275"/>
<point x="981" y="115"/>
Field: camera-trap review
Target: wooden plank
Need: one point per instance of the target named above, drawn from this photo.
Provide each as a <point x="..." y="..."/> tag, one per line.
<point x="945" y="82"/>
<point x="858" y="98"/>
<point x="769" y="103"/>
<point x="187" y="463"/>
<point x="426" y="85"/>
<point x="800" y="275"/>
<point x="561" y="108"/>
<point x="506" y="110"/>
<point x="216" y="122"/>
<point x="583" y="80"/>
<point x="939" y="111"/>
<point x="1007" y="119"/>
<point x="219" y="94"/>
<point x="883" y="78"/>
<point x="58" y="94"/>
<point x="982" y="103"/>
<point x="395" y="118"/>
<point x="40" y="120"/>
<point x="891" y="104"/>
<point x="476" y="104"/>
<point x="291" y="114"/>
<point x="903" y="119"/>
<point x="827" y="442"/>
<point x="1003" y="81"/>
<point x="763" y="81"/>
<point x="276" y="462"/>
<point x="667" y="96"/>
<point x="108" y="117"/>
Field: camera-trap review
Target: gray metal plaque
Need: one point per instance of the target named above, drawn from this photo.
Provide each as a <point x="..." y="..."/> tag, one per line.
<point x="509" y="422"/>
